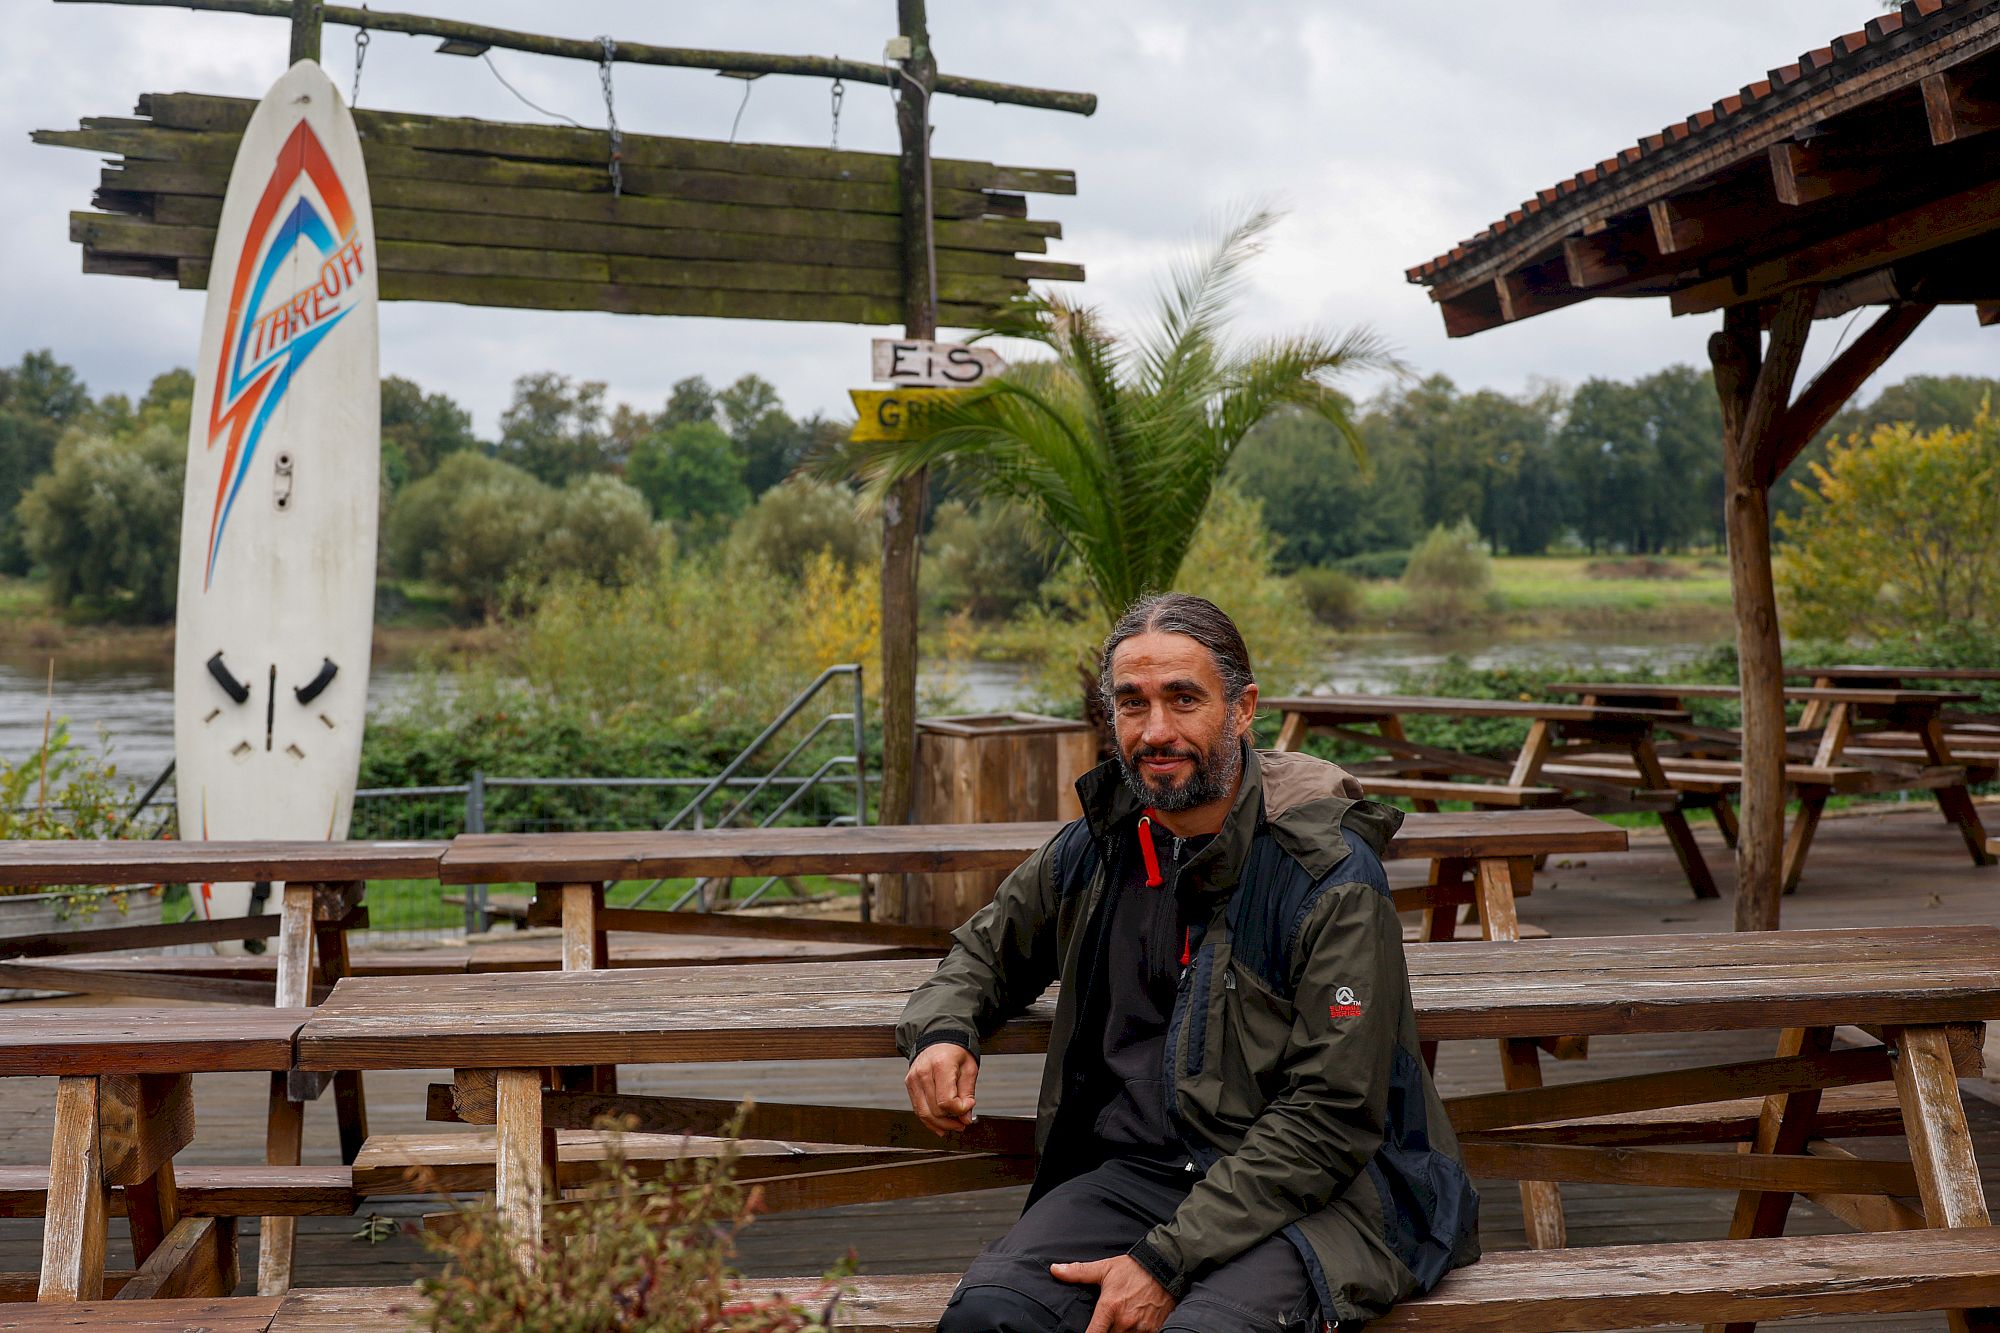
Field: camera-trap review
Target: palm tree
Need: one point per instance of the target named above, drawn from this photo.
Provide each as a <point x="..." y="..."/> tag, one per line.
<point x="1117" y="442"/>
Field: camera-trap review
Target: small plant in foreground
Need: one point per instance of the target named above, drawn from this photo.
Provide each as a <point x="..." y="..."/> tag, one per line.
<point x="618" y="1256"/>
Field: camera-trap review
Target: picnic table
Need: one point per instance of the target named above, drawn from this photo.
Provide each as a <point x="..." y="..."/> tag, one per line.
<point x="319" y="900"/>
<point x="1483" y="859"/>
<point x="1863" y="740"/>
<point x="1537" y="776"/>
<point x="1754" y="1127"/>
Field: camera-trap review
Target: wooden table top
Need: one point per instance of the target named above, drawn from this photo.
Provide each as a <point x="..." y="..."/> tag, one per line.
<point x="544" y="858"/>
<point x="158" y="861"/>
<point x="1368" y="706"/>
<point x="88" y="1039"/>
<point x="1856" y="671"/>
<point x="1834" y="694"/>
<point x="1463" y="991"/>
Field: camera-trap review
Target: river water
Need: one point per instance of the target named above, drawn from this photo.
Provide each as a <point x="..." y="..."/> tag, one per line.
<point x="128" y="706"/>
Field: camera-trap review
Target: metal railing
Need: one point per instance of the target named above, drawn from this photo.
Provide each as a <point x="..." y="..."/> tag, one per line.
<point x="743" y="793"/>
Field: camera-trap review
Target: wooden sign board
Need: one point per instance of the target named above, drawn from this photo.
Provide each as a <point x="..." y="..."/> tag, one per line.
<point x="907" y="361"/>
<point x="895" y="414"/>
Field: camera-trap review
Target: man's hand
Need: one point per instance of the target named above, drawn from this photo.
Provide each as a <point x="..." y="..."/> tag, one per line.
<point x="1128" y="1299"/>
<point x="940" y="1082"/>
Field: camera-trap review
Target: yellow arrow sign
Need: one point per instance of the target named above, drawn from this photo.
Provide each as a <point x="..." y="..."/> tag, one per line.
<point x="896" y="414"/>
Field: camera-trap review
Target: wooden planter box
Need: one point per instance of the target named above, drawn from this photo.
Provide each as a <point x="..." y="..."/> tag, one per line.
<point x="993" y="768"/>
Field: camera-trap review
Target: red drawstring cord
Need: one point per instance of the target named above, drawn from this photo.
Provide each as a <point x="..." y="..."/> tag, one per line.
<point x="1187" y="946"/>
<point x="1147" y="853"/>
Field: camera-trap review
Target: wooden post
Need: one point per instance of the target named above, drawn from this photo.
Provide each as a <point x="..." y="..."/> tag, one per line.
<point x="308" y="16"/>
<point x="1755" y="391"/>
<point x="285" y="1124"/>
<point x="903" y="508"/>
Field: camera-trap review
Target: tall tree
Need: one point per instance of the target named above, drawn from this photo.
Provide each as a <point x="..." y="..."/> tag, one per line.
<point x="419" y="430"/>
<point x="39" y="398"/>
<point x="555" y="428"/>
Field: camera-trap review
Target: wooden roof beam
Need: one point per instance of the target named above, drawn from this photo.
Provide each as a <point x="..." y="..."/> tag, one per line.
<point x="1962" y="102"/>
<point x="1826" y="166"/>
<point x="1537" y="290"/>
<point x="1964" y="216"/>
<point x="1621" y="252"/>
<point x="1713" y="217"/>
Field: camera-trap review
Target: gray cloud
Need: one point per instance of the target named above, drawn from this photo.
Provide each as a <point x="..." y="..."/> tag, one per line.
<point x="1389" y="132"/>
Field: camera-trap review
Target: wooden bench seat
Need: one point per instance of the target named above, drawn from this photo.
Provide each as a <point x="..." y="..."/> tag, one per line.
<point x="211" y="1191"/>
<point x="463" y="1162"/>
<point x="1551" y="1291"/>
<point x="1478" y="793"/>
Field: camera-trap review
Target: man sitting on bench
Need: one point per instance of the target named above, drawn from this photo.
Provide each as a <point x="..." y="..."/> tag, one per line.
<point x="1236" y="1132"/>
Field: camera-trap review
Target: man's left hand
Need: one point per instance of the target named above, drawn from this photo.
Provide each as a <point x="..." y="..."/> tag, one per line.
<point x="1128" y="1299"/>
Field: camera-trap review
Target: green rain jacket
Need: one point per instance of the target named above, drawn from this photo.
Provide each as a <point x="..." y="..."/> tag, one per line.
<point x="1293" y="1074"/>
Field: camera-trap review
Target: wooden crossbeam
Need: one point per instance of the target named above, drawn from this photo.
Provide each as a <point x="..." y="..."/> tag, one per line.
<point x="1645" y="1092"/>
<point x="1960" y="103"/>
<point x="1666" y="1168"/>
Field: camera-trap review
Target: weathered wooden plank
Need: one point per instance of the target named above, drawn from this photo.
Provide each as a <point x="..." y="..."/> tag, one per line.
<point x="1665" y="1168"/>
<point x="198" y="1258"/>
<point x="217" y="1191"/>
<point x="91" y="1040"/>
<point x="75" y="1228"/>
<point x="1004" y="234"/>
<point x="432" y="226"/>
<point x="155" y="861"/>
<point x="519" y="1178"/>
<point x="137" y="983"/>
<point x="143" y="1120"/>
<point x="555" y="143"/>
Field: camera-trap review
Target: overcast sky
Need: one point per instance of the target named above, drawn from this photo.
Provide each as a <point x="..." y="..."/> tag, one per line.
<point x="1388" y="131"/>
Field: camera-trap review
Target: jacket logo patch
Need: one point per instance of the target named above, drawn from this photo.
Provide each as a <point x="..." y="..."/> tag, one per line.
<point x="1344" y="1004"/>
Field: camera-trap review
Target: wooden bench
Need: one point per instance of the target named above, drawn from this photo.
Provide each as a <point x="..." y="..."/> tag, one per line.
<point x="1548" y="1291"/>
<point x="124" y="1108"/>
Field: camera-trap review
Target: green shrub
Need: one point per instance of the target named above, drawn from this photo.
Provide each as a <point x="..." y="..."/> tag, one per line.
<point x="1333" y="597"/>
<point x="105" y="521"/>
<point x="1449" y="576"/>
<point x="471" y="527"/>
<point x="690" y="472"/>
<point x="620" y="1255"/>
<point x="1374" y="564"/>
<point x="797" y="519"/>
<point x="986" y="560"/>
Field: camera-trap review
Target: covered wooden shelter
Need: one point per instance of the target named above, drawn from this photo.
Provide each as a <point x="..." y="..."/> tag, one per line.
<point x="1863" y="174"/>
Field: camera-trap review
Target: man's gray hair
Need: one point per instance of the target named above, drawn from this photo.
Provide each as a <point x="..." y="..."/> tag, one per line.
<point x="1182" y="613"/>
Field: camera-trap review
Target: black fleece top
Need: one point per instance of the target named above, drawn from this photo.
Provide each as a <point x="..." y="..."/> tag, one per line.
<point x="1139" y="956"/>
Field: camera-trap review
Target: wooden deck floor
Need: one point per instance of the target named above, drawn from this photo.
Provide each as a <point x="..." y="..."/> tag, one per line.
<point x="1879" y="870"/>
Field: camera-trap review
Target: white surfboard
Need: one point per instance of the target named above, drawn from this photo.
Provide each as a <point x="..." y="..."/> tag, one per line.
<point x="277" y="571"/>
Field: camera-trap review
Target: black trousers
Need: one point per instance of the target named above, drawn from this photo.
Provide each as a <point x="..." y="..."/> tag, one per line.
<point x="1103" y="1213"/>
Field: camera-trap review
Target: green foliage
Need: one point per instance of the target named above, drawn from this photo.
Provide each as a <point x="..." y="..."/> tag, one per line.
<point x="488" y="532"/>
<point x="797" y="520"/>
<point x="691" y="399"/>
<point x="104" y="521"/>
<point x="599" y="529"/>
<point x="1116" y="443"/>
<point x="1897" y="535"/>
<point x="1232" y="562"/>
<point x="1449" y="576"/>
<point x="1321" y="503"/>
<point x="620" y="1255"/>
<point x="985" y="560"/>
<point x="1333" y="596"/>
<point x="689" y="472"/>
<point x="60" y="791"/>
<point x="1644" y="462"/>
<point x="1375" y="564"/>
<point x="555" y="428"/>
<point x="1926" y="402"/>
<point x="419" y="431"/>
<point x="38" y="398"/>
<point x="471" y="526"/>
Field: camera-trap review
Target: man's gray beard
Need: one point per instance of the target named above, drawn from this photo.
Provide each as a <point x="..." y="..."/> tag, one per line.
<point x="1214" y="773"/>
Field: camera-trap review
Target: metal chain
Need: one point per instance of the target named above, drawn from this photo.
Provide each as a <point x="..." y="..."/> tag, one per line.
<point x="611" y="117"/>
<point x="839" y="94"/>
<point x="361" y="40"/>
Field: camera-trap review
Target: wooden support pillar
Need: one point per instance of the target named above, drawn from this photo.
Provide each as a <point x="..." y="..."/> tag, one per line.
<point x="285" y="1125"/>
<point x="903" y="507"/>
<point x="1755" y="389"/>
<point x="308" y="17"/>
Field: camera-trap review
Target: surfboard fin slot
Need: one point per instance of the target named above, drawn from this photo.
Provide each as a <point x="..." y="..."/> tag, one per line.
<point x="313" y="688"/>
<point x="271" y="706"/>
<point x="226" y="678"/>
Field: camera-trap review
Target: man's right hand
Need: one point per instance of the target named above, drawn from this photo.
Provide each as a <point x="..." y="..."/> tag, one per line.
<point x="940" y="1082"/>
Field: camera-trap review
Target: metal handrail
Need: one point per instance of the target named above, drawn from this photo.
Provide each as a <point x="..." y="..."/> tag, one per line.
<point x="790" y="711"/>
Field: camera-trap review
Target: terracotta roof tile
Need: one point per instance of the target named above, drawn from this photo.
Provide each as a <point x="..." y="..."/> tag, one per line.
<point x="1841" y="49"/>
